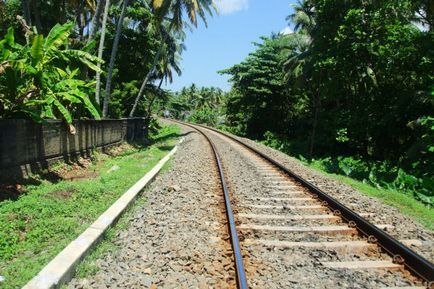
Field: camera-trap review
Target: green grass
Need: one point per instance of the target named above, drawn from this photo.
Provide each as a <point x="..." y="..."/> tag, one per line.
<point x="404" y="203"/>
<point x="37" y="226"/>
<point x="88" y="267"/>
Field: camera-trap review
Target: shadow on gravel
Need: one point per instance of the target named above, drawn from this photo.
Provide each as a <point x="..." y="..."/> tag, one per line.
<point x="165" y="148"/>
<point x="172" y="135"/>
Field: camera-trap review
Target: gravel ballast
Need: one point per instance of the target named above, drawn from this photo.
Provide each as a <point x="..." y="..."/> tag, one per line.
<point x="300" y="267"/>
<point x="404" y="227"/>
<point x="178" y="236"/>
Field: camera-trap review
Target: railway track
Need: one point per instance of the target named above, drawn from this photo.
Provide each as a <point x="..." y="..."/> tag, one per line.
<point x="293" y="214"/>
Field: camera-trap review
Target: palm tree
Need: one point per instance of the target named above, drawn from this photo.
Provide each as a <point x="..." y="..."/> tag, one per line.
<point x="101" y="48"/>
<point x="95" y="20"/>
<point x="167" y="56"/>
<point x="298" y="45"/>
<point x="298" y="64"/>
<point x="169" y="63"/>
<point x="303" y="17"/>
<point x="175" y="8"/>
<point x="113" y="58"/>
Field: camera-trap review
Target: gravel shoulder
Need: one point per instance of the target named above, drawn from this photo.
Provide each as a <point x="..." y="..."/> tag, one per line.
<point x="178" y="236"/>
<point x="296" y="267"/>
<point x="404" y="227"/>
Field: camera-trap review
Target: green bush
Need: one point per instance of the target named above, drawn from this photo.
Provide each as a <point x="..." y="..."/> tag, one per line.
<point x="40" y="79"/>
<point x="380" y="174"/>
<point x="205" y="115"/>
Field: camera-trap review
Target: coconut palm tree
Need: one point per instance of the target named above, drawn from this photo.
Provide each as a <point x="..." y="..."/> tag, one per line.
<point x="95" y="20"/>
<point x="101" y="49"/>
<point x="298" y="65"/>
<point x="174" y="8"/>
<point x="303" y="17"/>
<point x="169" y="63"/>
<point x="167" y="56"/>
<point x="113" y="58"/>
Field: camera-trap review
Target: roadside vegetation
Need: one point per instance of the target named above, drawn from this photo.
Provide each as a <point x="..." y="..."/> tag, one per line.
<point x="196" y="104"/>
<point x="405" y="203"/>
<point x="51" y="213"/>
<point x="350" y="91"/>
<point x="90" y="59"/>
<point x="71" y="60"/>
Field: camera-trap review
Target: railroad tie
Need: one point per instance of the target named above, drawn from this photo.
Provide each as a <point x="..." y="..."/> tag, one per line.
<point x="353" y="245"/>
<point x="288" y="193"/>
<point x="273" y="207"/>
<point x="289" y="217"/>
<point x="342" y="245"/>
<point x="296" y="229"/>
<point x="404" y="287"/>
<point x="362" y="265"/>
<point x="285" y="199"/>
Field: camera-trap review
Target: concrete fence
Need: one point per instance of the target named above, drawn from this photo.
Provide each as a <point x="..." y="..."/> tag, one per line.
<point x="27" y="147"/>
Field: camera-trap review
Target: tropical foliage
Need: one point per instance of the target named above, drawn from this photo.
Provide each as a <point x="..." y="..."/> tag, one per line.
<point x="200" y="105"/>
<point x="40" y="79"/>
<point x="350" y="90"/>
<point x="139" y="41"/>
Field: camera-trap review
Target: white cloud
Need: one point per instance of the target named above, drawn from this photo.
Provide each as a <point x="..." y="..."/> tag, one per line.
<point x="231" y="6"/>
<point x="287" y="30"/>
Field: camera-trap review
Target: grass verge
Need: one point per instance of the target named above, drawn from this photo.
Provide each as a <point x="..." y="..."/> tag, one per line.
<point x="88" y="267"/>
<point x="404" y="203"/>
<point x="38" y="225"/>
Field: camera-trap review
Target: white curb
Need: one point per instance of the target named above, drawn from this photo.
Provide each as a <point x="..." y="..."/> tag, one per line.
<point x="61" y="269"/>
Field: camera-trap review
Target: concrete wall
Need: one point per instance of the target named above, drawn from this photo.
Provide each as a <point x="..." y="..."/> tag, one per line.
<point x="25" y="145"/>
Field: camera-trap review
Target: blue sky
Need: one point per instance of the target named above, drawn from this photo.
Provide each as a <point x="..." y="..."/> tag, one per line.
<point x="228" y="39"/>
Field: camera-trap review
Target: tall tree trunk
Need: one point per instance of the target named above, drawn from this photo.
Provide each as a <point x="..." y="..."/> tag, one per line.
<point x="64" y="10"/>
<point x="113" y="58"/>
<point x="37" y="16"/>
<point x="79" y="19"/>
<point x="145" y="81"/>
<point x="26" y="12"/>
<point x="101" y="49"/>
<point x="314" y="126"/>
<point x="151" y="102"/>
<point x="317" y="106"/>
<point x="95" y="20"/>
<point x="148" y="75"/>
<point x="148" y="117"/>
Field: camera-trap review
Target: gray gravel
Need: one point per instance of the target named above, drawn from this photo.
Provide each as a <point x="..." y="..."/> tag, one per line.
<point x="270" y="267"/>
<point x="404" y="227"/>
<point x="177" y="239"/>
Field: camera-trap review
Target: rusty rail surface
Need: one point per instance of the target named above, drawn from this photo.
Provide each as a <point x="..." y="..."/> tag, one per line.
<point x="238" y="257"/>
<point x="401" y="254"/>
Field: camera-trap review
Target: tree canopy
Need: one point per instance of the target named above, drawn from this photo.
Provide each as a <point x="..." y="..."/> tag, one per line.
<point x="140" y="45"/>
<point x="355" y="80"/>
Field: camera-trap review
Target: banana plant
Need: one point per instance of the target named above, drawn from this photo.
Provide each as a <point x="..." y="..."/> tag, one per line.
<point x="41" y="80"/>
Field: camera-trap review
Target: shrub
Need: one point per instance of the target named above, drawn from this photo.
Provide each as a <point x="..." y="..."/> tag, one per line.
<point x="40" y="79"/>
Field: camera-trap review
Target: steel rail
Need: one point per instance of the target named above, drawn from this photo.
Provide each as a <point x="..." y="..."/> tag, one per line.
<point x="400" y="253"/>
<point x="236" y="248"/>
